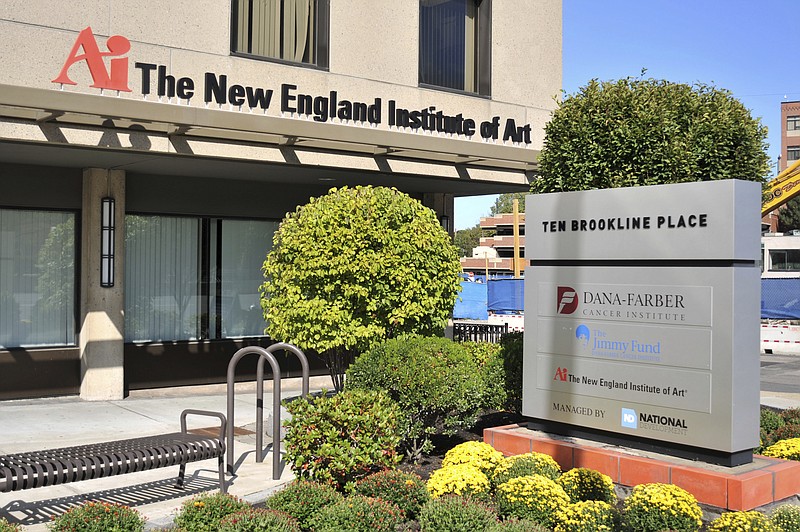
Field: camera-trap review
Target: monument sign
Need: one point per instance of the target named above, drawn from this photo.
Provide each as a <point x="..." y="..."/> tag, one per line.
<point x="642" y="316"/>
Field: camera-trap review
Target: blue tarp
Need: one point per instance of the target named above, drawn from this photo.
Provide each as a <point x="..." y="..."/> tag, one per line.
<point x="506" y="295"/>
<point x="471" y="302"/>
<point x="780" y="299"/>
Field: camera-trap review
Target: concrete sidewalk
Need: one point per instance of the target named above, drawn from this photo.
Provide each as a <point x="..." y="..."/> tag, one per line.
<point x="27" y="425"/>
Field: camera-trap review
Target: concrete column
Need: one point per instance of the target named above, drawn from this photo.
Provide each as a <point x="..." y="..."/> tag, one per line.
<point x="102" y="320"/>
<point x="443" y="204"/>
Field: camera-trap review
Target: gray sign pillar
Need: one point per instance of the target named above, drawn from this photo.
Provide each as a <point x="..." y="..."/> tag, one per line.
<point x="642" y="317"/>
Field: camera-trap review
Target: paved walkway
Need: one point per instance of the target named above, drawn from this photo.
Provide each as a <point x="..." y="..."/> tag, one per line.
<point x="27" y="425"/>
<point x="61" y="422"/>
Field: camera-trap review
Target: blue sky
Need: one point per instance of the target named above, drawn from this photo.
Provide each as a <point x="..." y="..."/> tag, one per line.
<point x="745" y="46"/>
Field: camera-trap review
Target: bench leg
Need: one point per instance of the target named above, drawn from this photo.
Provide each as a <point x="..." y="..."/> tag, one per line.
<point x="221" y="467"/>
<point x="181" y="474"/>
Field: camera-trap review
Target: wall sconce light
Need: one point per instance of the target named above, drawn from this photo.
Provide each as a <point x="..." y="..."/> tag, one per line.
<point x="107" y="237"/>
<point x="445" y="221"/>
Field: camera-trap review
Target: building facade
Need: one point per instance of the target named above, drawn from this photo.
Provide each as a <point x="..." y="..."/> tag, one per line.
<point x="494" y="257"/>
<point x="149" y="150"/>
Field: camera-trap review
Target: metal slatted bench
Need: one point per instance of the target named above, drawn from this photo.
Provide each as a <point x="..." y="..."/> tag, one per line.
<point x="84" y="462"/>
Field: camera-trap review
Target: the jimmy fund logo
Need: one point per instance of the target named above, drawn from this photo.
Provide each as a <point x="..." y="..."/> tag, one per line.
<point x="630" y="419"/>
<point x="599" y="342"/>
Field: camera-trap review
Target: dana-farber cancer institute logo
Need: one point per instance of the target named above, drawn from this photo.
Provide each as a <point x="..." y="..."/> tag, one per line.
<point x="567" y="300"/>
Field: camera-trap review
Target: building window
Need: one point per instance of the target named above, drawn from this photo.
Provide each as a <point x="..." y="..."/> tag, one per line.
<point x="193" y="278"/>
<point x="792" y="153"/>
<point x="792" y="123"/>
<point x="290" y="30"/>
<point x="37" y="278"/>
<point x="455" y="44"/>
<point x="784" y="260"/>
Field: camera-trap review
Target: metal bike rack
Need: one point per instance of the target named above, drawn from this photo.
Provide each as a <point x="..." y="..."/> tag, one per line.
<point x="264" y="355"/>
<point x="276" y="422"/>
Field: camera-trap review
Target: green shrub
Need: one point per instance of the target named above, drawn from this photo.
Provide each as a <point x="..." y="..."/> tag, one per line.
<point x="406" y="490"/>
<point x="477" y="453"/>
<point x="791" y="416"/>
<point x="787" y="517"/>
<point x="517" y="525"/>
<point x="511" y="353"/>
<point x="302" y="499"/>
<point x="459" y="479"/>
<point x="656" y="507"/>
<point x="785" y="432"/>
<point x="97" y="517"/>
<point x="437" y="384"/>
<point x="258" y="520"/>
<point x="521" y="465"/>
<point x="770" y="420"/>
<point x="5" y="526"/>
<point x="582" y="484"/>
<point x="742" y="522"/>
<point x="490" y="362"/>
<point x="342" y="438"/>
<point x="456" y="513"/>
<point x="203" y="513"/>
<point x="587" y="516"/>
<point x="358" y="513"/>
<point x="533" y="497"/>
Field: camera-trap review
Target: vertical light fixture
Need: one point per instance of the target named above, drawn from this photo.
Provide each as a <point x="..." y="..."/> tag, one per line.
<point x="107" y="237"/>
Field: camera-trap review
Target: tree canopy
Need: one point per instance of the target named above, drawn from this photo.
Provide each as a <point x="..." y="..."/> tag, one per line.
<point x="505" y="203"/>
<point x="467" y="239"/>
<point x="354" y="267"/>
<point x="635" y="131"/>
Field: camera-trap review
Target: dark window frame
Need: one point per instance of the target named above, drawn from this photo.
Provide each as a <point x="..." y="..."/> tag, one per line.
<point x="793" y="123"/>
<point x="321" y="40"/>
<point x="483" y="53"/>
<point x="792" y="153"/>
<point x="789" y="257"/>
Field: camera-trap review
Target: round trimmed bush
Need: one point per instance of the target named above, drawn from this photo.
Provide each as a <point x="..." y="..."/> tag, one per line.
<point x="259" y="520"/>
<point x="93" y="517"/>
<point x="787" y="517"/>
<point x="302" y="499"/>
<point x="203" y="513"/>
<point x="452" y="513"/>
<point x="786" y="449"/>
<point x="460" y="479"/>
<point x="582" y="484"/>
<point x="517" y="525"/>
<point x="342" y="438"/>
<point x="5" y="526"/>
<point x="587" y="516"/>
<point x="521" y="465"/>
<point x="406" y="490"/>
<point x="742" y="522"/>
<point x="358" y="513"/>
<point x="476" y="453"/>
<point x="656" y="507"/>
<point x="436" y="382"/>
<point x="533" y="497"/>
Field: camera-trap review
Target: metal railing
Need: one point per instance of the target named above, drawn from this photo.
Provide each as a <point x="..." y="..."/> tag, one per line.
<point x="478" y="332"/>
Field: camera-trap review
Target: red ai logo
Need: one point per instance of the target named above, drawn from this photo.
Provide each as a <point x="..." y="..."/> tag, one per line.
<point x="115" y="77"/>
<point x="561" y="375"/>
<point x="567" y="300"/>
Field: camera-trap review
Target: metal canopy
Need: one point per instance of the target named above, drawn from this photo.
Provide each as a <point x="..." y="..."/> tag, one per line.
<point x="65" y="107"/>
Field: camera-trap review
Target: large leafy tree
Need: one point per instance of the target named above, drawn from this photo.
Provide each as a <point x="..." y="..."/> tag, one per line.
<point x="354" y="267"/>
<point x="789" y="216"/>
<point x="636" y="131"/>
<point x="467" y="239"/>
<point x="505" y="203"/>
